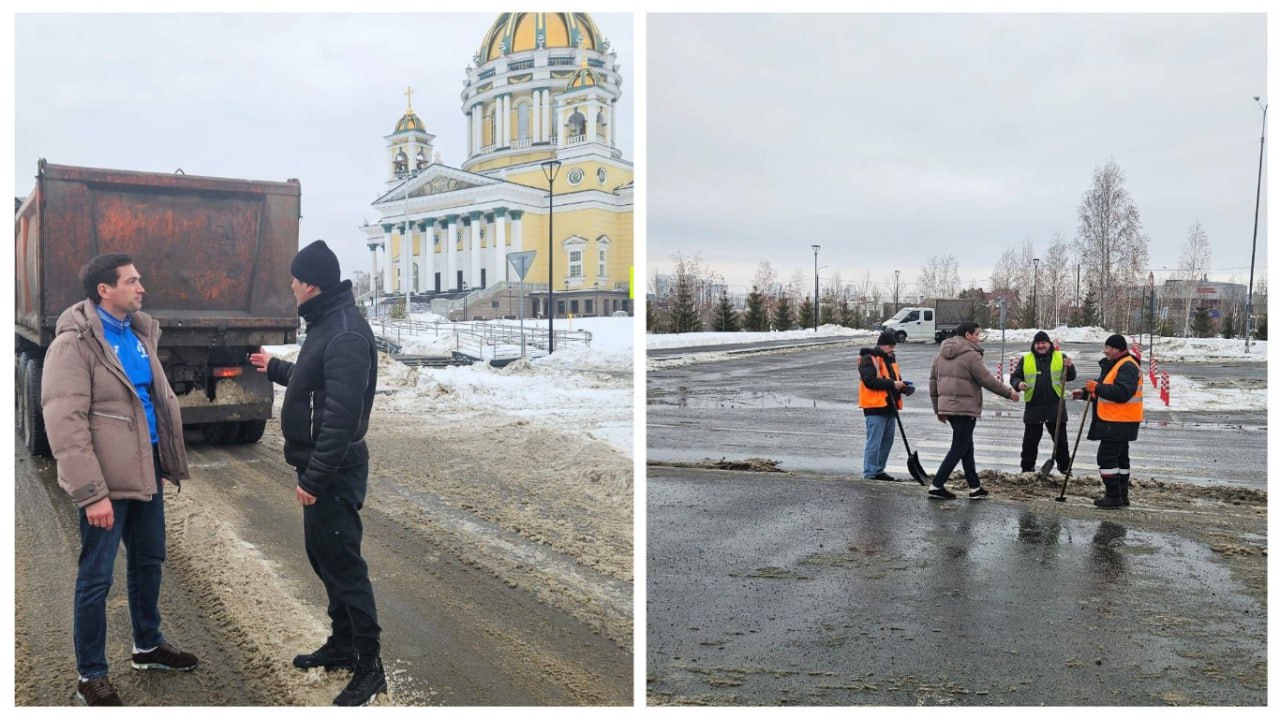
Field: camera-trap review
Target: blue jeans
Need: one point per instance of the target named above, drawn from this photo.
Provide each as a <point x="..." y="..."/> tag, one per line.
<point x="879" y="442"/>
<point x="961" y="452"/>
<point x="141" y="526"/>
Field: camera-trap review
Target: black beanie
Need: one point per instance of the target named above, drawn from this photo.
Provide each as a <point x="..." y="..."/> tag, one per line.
<point x="888" y="338"/>
<point x="316" y="265"/>
<point x="1041" y="336"/>
<point x="1117" y="341"/>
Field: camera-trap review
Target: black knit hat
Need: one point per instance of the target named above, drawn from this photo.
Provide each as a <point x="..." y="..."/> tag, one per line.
<point x="888" y="339"/>
<point x="1118" y="342"/>
<point x="1042" y="336"/>
<point x="316" y="265"/>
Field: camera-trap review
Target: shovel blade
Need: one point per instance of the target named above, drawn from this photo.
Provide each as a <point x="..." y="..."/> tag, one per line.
<point x="1045" y="469"/>
<point x="916" y="470"/>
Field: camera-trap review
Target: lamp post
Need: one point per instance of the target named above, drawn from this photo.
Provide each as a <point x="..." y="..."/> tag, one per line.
<point x="550" y="169"/>
<point x="464" y="300"/>
<point x="815" y="286"/>
<point x="1035" y="291"/>
<point x="1248" y="309"/>
<point x="896" y="273"/>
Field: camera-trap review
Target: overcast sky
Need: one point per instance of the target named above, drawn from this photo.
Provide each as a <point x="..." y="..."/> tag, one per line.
<point x="262" y="97"/>
<point x="889" y="138"/>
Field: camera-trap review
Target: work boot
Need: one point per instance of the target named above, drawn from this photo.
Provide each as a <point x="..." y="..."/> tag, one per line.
<point x="1112" y="499"/>
<point x="368" y="680"/>
<point x="1124" y="489"/>
<point x="328" y="656"/>
<point x="98" y="692"/>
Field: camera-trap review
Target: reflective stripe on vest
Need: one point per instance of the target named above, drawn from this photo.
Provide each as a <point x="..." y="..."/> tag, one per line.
<point x="876" y="398"/>
<point x="1130" y="411"/>
<point x="1030" y="373"/>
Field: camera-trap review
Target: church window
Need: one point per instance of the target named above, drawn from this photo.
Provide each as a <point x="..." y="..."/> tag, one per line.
<point x="577" y="124"/>
<point x="575" y="263"/>
<point x="522" y="121"/>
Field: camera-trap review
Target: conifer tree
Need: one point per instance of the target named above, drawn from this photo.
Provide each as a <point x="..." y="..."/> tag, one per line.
<point x="1229" y="326"/>
<point x="783" y="320"/>
<point x="726" y="318"/>
<point x="756" y="319"/>
<point x="1202" y="324"/>
<point x="806" y="314"/>
<point x="684" y="308"/>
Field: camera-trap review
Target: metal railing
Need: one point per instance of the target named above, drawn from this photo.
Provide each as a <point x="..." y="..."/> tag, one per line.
<point x="480" y="340"/>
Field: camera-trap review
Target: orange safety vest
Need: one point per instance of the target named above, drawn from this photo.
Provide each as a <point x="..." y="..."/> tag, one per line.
<point x="876" y="398"/>
<point x="1130" y="411"/>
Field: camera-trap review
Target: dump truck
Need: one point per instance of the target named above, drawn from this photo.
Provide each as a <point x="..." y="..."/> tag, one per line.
<point x="936" y="319"/>
<point x="214" y="257"/>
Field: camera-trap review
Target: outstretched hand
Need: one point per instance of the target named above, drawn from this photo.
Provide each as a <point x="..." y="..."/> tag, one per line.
<point x="260" y="360"/>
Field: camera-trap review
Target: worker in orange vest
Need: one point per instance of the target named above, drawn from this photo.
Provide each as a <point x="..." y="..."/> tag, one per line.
<point x="880" y="392"/>
<point x="1117" y="412"/>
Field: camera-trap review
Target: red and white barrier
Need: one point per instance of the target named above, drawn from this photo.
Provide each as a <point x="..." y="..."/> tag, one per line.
<point x="1164" y="388"/>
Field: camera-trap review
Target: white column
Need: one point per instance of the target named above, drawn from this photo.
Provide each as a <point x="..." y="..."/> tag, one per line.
<point x="474" y="251"/>
<point x="506" y="120"/>
<point x="500" y="122"/>
<point x="592" y="109"/>
<point x="546" y="115"/>
<point x="406" y="258"/>
<point x="387" y="280"/>
<point x="428" y="273"/>
<point x="450" y="255"/>
<point x="499" y="253"/>
<point x="608" y="122"/>
<point x="535" y="116"/>
<point x="517" y="225"/>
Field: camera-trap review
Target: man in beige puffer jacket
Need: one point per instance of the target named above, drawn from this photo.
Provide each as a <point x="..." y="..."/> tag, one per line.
<point x="956" y="382"/>
<point x="116" y="432"/>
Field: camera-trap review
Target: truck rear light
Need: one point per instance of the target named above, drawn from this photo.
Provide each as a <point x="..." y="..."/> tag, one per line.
<point x="223" y="372"/>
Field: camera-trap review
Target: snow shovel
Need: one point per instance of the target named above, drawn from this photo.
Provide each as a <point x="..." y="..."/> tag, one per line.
<point x="1066" y="476"/>
<point x="1047" y="467"/>
<point x="913" y="459"/>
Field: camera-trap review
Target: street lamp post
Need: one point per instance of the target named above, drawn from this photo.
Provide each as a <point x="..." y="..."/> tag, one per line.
<point x="1248" y="309"/>
<point x="815" y="286"/>
<point x="550" y="169"/>
<point x="464" y="300"/>
<point x="896" y="273"/>
<point x="1035" y="292"/>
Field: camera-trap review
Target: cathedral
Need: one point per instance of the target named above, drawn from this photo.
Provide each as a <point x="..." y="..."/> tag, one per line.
<point x="539" y="105"/>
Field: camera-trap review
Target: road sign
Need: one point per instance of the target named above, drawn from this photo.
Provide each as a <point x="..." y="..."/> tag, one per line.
<point x="521" y="261"/>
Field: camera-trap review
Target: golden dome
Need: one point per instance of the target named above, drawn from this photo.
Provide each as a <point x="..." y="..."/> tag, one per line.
<point x="520" y="31"/>
<point x="410" y="121"/>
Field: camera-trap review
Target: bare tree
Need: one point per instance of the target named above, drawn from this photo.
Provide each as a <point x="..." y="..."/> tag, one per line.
<point x="1057" y="279"/>
<point x="940" y="277"/>
<point x="1110" y="238"/>
<point x="765" y="279"/>
<point x="1192" y="266"/>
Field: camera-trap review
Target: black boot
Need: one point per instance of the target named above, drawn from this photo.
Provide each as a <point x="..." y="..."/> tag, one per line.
<point x="367" y="681"/>
<point x="1113" y="498"/>
<point x="328" y="656"/>
<point x="1124" y="489"/>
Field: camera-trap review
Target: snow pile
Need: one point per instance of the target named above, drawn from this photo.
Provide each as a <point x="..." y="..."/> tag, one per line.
<point x="583" y="389"/>
<point x="1186" y="394"/>
<point x="696" y="339"/>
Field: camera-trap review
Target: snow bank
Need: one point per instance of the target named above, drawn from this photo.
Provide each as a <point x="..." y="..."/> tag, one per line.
<point x="697" y="339"/>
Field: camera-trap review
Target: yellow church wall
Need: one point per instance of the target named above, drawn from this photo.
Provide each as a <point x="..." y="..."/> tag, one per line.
<point x="587" y="224"/>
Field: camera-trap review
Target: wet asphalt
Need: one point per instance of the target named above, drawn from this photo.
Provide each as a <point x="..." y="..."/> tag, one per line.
<point x="800" y="409"/>
<point x="804" y="590"/>
<point x="820" y="588"/>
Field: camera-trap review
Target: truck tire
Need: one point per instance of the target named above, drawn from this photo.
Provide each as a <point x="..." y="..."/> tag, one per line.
<point x="901" y="336"/>
<point x="221" y="432"/>
<point x="251" y="431"/>
<point x="30" y="416"/>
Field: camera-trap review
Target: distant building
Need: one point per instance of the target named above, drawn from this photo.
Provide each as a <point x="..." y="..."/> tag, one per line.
<point x="542" y="87"/>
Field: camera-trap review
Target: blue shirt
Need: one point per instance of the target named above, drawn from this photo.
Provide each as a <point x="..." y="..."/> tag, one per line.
<point x="137" y="363"/>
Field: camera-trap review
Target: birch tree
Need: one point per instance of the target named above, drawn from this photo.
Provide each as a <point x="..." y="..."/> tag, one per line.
<point x="1056" y="278"/>
<point x="1110" y="238"/>
<point x="1193" y="264"/>
<point x="940" y="277"/>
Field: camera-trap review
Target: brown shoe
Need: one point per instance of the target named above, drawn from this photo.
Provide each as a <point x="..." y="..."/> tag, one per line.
<point x="98" y="692"/>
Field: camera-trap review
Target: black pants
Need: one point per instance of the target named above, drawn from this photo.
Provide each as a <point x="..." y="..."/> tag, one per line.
<point x="333" y="531"/>
<point x="961" y="452"/>
<point x="1031" y="443"/>
<point x="1113" y="457"/>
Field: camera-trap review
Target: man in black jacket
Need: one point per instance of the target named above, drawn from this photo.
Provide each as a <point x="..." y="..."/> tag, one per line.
<point x="324" y="417"/>
<point x="1117" y="414"/>
<point x="1040" y="378"/>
